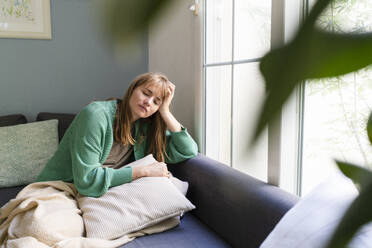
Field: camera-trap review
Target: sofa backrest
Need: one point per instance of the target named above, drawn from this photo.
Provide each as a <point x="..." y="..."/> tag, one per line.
<point x="64" y="121"/>
<point x="11" y="120"/>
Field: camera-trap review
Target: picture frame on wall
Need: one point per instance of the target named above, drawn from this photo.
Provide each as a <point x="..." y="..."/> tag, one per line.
<point x="25" y="19"/>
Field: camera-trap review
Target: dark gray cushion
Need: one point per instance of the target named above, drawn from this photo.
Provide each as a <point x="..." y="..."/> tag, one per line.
<point x="64" y="120"/>
<point x="10" y="120"/>
<point x="190" y="233"/>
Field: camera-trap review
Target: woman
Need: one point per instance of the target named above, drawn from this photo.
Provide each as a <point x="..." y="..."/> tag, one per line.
<point x="106" y="135"/>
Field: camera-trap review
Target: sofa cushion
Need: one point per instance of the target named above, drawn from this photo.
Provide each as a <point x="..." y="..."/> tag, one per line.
<point x="10" y="120"/>
<point x="312" y="221"/>
<point x="189" y="233"/>
<point x="149" y="159"/>
<point x="64" y="120"/>
<point x="24" y="151"/>
<point x="142" y="203"/>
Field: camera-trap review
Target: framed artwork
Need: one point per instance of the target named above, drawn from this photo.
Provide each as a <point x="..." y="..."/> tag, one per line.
<point x="25" y="19"/>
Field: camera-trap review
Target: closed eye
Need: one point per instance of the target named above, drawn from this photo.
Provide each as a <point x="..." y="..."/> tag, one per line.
<point x="145" y="93"/>
<point x="148" y="92"/>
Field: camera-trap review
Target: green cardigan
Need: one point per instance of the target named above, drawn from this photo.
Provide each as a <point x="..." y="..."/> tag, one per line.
<point x="87" y="144"/>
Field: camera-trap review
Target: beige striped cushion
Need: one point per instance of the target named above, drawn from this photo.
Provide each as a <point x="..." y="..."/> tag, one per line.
<point x="149" y="159"/>
<point x="131" y="207"/>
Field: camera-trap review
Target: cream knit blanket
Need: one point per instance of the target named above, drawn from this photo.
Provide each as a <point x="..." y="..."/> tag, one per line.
<point x="46" y="215"/>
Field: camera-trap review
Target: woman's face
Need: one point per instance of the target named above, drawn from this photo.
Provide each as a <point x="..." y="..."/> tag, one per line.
<point x="145" y="100"/>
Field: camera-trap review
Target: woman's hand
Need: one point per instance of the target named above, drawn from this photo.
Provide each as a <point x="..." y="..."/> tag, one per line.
<point x="157" y="169"/>
<point x="164" y="107"/>
<point x="171" y="122"/>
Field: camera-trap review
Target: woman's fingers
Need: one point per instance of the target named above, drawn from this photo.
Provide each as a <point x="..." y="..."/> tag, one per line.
<point x="171" y="87"/>
<point x="157" y="169"/>
<point x="162" y="169"/>
<point x="164" y="108"/>
<point x="158" y="164"/>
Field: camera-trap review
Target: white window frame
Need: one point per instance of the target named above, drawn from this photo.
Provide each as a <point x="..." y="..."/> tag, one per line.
<point x="284" y="161"/>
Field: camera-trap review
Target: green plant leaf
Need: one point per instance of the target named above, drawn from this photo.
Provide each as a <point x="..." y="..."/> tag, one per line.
<point x="312" y="54"/>
<point x="126" y="19"/>
<point x="315" y="12"/>
<point x="358" y="214"/>
<point x="360" y="176"/>
<point x="369" y="128"/>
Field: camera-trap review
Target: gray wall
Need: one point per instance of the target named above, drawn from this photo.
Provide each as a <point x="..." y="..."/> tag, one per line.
<point x="67" y="72"/>
<point x="177" y="37"/>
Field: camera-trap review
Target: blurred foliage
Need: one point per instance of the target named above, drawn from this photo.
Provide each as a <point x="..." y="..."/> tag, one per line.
<point x="316" y="54"/>
<point x="127" y="19"/>
<point x="312" y="54"/>
<point x="359" y="213"/>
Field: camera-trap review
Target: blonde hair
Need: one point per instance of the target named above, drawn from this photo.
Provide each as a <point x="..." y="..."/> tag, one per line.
<point x="156" y="126"/>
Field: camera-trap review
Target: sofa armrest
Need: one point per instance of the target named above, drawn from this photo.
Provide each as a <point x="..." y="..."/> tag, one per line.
<point x="239" y="208"/>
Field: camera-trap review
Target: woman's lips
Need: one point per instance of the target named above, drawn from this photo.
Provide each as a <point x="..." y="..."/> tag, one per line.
<point x="143" y="108"/>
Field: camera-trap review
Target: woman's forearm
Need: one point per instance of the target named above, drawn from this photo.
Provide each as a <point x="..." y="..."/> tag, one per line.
<point x="157" y="169"/>
<point x="138" y="172"/>
<point x="172" y="124"/>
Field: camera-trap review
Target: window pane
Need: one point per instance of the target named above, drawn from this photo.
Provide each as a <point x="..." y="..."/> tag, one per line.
<point x="218" y="31"/>
<point x="218" y="113"/>
<point x="252" y="28"/>
<point x="249" y="91"/>
<point x="336" y="109"/>
<point x="347" y="16"/>
<point x="336" y="113"/>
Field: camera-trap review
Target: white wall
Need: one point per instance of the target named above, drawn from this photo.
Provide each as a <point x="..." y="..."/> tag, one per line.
<point x="175" y="49"/>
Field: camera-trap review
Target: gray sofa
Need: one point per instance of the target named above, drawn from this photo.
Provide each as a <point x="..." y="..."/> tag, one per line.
<point x="232" y="208"/>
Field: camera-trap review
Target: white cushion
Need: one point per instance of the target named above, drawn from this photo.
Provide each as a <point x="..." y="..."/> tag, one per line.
<point x="312" y="221"/>
<point x="182" y="186"/>
<point x="132" y="206"/>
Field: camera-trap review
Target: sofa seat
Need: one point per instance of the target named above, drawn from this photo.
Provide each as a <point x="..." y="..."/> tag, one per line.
<point x="190" y="233"/>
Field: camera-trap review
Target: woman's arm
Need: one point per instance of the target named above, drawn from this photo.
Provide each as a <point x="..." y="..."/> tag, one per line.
<point x="180" y="145"/>
<point x="172" y="124"/>
<point x="157" y="169"/>
<point x="89" y="178"/>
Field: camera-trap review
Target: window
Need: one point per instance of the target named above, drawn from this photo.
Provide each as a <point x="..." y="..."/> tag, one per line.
<point x="336" y="109"/>
<point x="323" y="119"/>
<point x="237" y="34"/>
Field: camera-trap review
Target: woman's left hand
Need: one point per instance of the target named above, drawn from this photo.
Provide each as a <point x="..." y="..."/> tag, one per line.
<point x="172" y="124"/>
<point x="164" y="107"/>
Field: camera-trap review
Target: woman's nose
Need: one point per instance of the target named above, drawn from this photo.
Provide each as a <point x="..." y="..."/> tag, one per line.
<point x="147" y="101"/>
